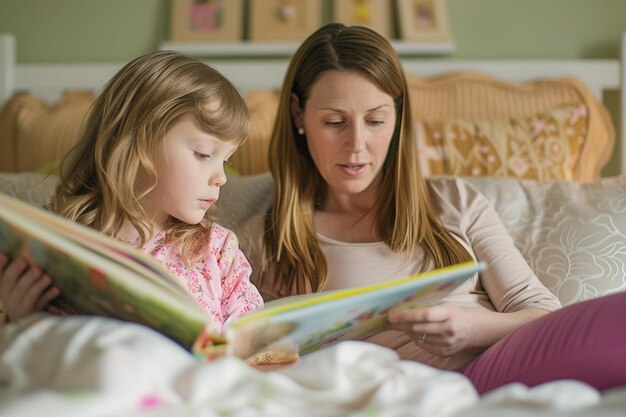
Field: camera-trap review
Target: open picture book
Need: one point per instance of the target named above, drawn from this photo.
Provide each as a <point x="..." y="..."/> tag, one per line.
<point x="98" y="275"/>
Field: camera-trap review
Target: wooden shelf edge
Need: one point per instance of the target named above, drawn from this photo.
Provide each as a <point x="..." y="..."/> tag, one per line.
<point x="264" y="49"/>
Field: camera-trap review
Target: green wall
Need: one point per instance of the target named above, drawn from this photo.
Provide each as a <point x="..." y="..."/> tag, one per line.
<point x="119" y="30"/>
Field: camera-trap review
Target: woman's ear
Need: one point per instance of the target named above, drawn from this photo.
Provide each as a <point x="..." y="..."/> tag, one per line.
<point x="296" y="111"/>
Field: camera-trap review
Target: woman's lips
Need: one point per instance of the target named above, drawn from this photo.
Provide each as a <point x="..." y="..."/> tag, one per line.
<point x="353" y="169"/>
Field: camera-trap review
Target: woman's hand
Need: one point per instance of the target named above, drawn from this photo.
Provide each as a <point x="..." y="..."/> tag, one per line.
<point x="24" y="288"/>
<point x="446" y="329"/>
<point x="443" y="329"/>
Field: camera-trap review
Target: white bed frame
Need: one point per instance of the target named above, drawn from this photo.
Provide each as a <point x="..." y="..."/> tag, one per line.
<point x="49" y="81"/>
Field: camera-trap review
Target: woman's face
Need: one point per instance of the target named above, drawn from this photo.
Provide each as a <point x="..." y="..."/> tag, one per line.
<point x="348" y="124"/>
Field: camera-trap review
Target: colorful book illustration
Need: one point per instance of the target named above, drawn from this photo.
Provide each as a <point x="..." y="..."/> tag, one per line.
<point x="98" y="275"/>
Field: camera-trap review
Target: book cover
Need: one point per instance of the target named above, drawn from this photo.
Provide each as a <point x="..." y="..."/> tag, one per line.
<point x="98" y="275"/>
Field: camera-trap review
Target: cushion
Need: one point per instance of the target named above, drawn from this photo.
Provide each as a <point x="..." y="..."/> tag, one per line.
<point x="469" y="123"/>
<point x="32" y="187"/>
<point x="573" y="235"/>
<point x="543" y="147"/>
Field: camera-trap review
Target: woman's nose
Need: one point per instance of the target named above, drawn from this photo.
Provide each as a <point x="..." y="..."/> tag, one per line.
<point x="356" y="141"/>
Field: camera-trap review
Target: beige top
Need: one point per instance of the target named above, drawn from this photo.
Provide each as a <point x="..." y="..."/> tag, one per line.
<point x="506" y="285"/>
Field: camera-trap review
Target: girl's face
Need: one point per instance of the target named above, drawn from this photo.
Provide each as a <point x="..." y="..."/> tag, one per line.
<point x="349" y="124"/>
<point x="190" y="171"/>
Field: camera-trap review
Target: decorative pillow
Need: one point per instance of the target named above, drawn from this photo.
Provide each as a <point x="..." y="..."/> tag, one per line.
<point x="556" y="118"/>
<point x="33" y="133"/>
<point x="546" y="146"/>
<point x="572" y="235"/>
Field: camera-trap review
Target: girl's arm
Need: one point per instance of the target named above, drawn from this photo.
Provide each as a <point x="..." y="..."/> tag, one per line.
<point x="24" y="288"/>
<point x="239" y="294"/>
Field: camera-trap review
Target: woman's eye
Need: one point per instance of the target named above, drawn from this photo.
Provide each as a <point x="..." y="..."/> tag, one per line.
<point x="376" y="122"/>
<point x="334" y="122"/>
<point x="201" y="156"/>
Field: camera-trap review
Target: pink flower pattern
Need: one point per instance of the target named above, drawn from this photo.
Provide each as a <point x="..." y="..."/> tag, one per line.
<point x="220" y="281"/>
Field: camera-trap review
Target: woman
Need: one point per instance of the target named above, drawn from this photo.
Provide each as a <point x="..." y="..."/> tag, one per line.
<point x="351" y="208"/>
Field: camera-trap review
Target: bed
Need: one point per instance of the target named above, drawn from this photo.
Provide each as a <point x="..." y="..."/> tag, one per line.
<point x="568" y="222"/>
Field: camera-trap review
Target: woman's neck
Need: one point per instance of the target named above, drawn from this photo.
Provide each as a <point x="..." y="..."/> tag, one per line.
<point x="348" y="218"/>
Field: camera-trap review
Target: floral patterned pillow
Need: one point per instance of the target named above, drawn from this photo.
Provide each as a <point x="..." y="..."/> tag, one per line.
<point x="573" y="235"/>
<point x="546" y="146"/>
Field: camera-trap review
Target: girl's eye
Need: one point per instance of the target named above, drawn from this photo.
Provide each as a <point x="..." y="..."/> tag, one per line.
<point x="333" y="122"/>
<point x="201" y="156"/>
<point x="376" y="122"/>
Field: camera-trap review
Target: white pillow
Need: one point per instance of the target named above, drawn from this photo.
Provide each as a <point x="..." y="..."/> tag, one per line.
<point x="573" y="235"/>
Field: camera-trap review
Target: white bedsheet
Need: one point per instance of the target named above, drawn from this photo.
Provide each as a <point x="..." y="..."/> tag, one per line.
<point x="83" y="366"/>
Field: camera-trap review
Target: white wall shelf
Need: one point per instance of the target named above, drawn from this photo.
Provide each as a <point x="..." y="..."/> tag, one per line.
<point x="282" y="49"/>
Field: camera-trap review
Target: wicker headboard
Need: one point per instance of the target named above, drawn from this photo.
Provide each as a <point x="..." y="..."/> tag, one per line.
<point x="500" y="90"/>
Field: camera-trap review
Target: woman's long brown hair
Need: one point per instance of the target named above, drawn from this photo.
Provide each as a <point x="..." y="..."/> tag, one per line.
<point x="406" y="218"/>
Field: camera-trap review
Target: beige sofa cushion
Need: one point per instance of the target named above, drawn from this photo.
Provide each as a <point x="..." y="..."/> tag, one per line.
<point x="573" y="235"/>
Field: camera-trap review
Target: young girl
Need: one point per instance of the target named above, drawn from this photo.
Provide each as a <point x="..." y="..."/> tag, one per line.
<point x="147" y="170"/>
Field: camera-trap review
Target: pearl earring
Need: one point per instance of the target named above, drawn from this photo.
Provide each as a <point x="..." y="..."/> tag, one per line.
<point x="300" y="131"/>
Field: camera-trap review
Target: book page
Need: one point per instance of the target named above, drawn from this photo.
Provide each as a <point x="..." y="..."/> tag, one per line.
<point x="316" y="320"/>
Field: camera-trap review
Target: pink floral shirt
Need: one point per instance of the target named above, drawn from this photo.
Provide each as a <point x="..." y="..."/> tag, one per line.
<point x="220" y="282"/>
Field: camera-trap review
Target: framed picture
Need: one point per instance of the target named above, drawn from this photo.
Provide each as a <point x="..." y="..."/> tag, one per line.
<point x="283" y="20"/>
<point x="375" y="14"/>
<point x="423" y="20"/>
<point x="206" y="20"/>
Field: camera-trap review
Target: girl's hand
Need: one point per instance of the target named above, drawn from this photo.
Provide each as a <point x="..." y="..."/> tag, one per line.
<point x="24" y="288"/>
<point x="443" y="329"/>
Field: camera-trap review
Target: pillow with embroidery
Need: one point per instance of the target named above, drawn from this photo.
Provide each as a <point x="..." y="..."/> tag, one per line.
<point x="543" y="147"/>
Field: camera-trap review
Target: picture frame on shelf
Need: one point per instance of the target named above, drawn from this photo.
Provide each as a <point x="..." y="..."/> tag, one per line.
<point x="283" y="20"/>
<point x="374" y="14"/>
<point x="199" y="21"/>
<point x="422" y="20"/>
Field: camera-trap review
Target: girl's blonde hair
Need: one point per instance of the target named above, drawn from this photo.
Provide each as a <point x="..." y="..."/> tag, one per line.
<point x="405" y="217"/>
<point x="125" y="125"/>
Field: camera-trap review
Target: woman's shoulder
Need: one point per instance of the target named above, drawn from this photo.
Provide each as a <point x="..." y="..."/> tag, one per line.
<point x="452" y="188"/>
<point x="456" y="197"/>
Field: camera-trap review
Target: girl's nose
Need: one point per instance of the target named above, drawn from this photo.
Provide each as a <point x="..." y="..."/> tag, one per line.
<point x="218" y="178"/>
